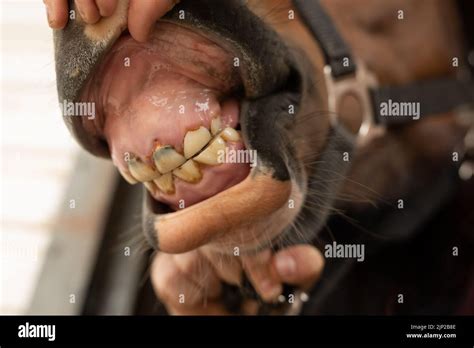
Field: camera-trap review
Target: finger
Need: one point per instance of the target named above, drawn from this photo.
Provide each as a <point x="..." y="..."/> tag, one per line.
<point x="178" y="293"/>
<point x="142" y="16"/>
<point x="174" y="288"/>
<point x="227" y="267"/>
<point x="262" y="275"/>
<point x="56" y="11"/>
<point x="299" y="265"/>
<point x="88" y="10"/>
<point x="106" y="7"/>
<point x="197" y="268"/>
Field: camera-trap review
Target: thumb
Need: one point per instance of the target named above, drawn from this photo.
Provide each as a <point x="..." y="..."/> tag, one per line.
<point x="57" y="12"/>
<point x="299" y="265"/>
<point x="142" y="16"/>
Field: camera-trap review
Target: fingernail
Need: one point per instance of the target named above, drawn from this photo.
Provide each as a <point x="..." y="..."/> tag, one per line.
<point x="48" y="15"/>
<point x="270" y="289"/>
<point x="285" y="265"/>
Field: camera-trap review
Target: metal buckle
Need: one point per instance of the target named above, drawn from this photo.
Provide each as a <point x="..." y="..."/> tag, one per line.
<point x="357" y="85"/>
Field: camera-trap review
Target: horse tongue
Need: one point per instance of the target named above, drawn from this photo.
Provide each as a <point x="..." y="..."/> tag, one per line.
<point x="159" y="112"/>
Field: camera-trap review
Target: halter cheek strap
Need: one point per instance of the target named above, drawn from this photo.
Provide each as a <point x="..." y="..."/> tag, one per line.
<point x="345" y="75"/>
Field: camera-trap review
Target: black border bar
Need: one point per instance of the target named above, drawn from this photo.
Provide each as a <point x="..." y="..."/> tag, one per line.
<point x="255" y="330"/>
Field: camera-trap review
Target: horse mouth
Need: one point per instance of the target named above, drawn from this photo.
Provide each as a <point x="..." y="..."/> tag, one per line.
<point x="199" y="116"/>
<point x="169" y="112"/>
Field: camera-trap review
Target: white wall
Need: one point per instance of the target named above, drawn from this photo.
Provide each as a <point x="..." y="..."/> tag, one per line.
<point x="37" y="151"/>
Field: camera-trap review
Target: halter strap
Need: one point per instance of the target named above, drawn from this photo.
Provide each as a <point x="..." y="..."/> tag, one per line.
<point x="332" y="44"/>
<point x="435" y="96"/>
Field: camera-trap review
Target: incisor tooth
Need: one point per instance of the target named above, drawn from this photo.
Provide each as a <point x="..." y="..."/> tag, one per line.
<point x="130" y="179"/>
<point x="210" y="155"/>
<point x="166" y="159"/>
<point x="194" y="141"/>
<point x="230" y="134"/>
<point x="215" y="126"/>
<point x="188" y="172"/>
<point x="151" y="186"/>
<point x="141" y="171"/>
<point x="165" y="183"/>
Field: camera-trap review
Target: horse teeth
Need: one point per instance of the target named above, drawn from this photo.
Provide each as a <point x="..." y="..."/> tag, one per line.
<point x="151" y="186"/>
<point x="141" y="171"/>
<point x="230" y="134"/>
<point x="165" y="183"/>
<point x="130" y="179"/>
<point x="210" y="155"/>
<point x="166" y="159"/>
<point x="216" y="126"/>
<point x="194" y="141"/>
<point x="188" y="172"/>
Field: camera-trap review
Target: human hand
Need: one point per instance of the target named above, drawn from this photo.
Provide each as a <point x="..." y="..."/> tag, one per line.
<point x="191" y="283"/>
<point x="142" y="14"/>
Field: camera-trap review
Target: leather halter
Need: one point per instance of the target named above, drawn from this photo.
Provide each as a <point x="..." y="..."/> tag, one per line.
<point x="346" y="75"/>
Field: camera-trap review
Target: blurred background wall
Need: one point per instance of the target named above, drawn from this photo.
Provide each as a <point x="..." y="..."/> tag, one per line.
<point x="37" y="152"/>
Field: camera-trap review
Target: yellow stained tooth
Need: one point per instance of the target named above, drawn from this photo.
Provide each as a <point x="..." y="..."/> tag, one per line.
<point x="211" y="154"/>
<point x="166" y="159"/>
<point x="230" y="134"/>
<point x="165" y="183"/>
<point x="216" y="126"/>
<point x="188" y="172"/>
<point x="141" y="171"/>
<point x="151" y="186"/>
<point x="130" y="179"/>
<point x="194" y="141"/>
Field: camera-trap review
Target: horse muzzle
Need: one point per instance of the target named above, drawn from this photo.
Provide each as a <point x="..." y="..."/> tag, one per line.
<point x="203" y="115"/>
